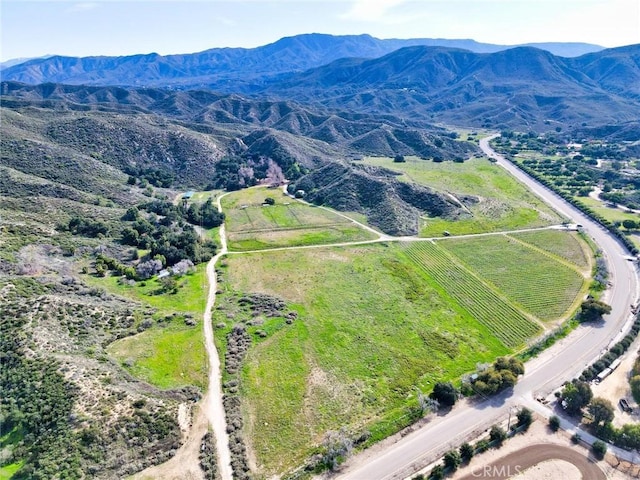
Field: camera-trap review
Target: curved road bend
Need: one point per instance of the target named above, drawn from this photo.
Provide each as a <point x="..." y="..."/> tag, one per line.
<point x="562" y="362"/>
<point x="213" y="405"/>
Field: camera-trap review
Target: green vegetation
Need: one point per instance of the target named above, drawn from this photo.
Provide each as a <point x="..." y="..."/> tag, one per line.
<point x="500" y="260"/>
<point x="574" y="170"/>
<point x="253" y="224"/>
<point x="502" y="374"/>
<point x="171" y="356"/>
<point x="354" y="357"/>
<point x="567" y="245"/>
<point x="493" y="198"/>
<point x="486" y="304"/>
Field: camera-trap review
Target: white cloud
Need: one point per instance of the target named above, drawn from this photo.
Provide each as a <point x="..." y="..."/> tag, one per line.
<point x="371" y="10"/>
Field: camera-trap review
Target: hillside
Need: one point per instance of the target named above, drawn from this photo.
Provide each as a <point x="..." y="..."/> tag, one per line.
<point x="229" y="69"/>
<point x="521" y="87"/>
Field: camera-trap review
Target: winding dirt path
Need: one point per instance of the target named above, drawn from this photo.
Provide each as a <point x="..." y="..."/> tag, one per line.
<point x="212" y="403"/>
<point x="518" y="462"/>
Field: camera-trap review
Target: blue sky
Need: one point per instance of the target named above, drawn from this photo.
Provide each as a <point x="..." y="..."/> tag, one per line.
<point x="111" y="27"/>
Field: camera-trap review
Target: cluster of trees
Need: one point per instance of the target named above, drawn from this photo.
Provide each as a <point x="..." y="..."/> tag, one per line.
<point x="569" y="197"/>
<point x="87" y="227"/>
<point x="154" y="176"/>
<point x="577" y="399"/>
<point x="234" y="173"/>
<point x="166" y="233"/>
<point x="36" y="403"/>
<point x="592" y="310"/>
<point x="502" y="374"/>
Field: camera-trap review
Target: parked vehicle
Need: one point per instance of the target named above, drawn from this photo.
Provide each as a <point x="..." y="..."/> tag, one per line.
<point x="625" y="405"/>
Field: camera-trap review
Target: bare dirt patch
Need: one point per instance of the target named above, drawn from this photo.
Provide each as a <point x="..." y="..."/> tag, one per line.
<point x="616" y="386"/>
<point x="539" y="451"/>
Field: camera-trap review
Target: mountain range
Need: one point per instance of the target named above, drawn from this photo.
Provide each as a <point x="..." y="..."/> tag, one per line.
<point x="225" y="67"/>
<point x="458" y="82"/>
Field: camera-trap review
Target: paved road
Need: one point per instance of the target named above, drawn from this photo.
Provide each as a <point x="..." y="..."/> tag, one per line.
<point x="560" y="363"/>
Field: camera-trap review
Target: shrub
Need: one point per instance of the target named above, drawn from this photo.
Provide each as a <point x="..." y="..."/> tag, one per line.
<point x="466" y="452"/>
<point x="554" y="423"/>
<point x="497" y="435"/>
<point x="445" y="393"/>
<point x="525" y="418"/>
<point x="575" y="438"/>
<point x="437" y="473"/>
<point x="452" y="460"/>
<point x="599" y="449"/>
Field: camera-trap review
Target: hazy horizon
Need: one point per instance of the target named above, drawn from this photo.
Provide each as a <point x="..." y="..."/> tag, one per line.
<point x="115" y="28"/>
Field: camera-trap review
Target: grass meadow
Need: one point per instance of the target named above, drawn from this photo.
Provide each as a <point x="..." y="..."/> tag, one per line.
<point x="373" y="328"/>
<point x="170" y="354"/>
<point x="378" y="322"/>
<point x="504" y="203"/>
<point x="253" y="225"/>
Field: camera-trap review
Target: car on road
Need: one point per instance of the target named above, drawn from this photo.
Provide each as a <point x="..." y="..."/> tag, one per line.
<point x="625" y="405"/>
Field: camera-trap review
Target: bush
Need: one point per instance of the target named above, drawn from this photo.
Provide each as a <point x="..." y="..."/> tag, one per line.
<point x="497" y="435"/>
<point x="466" y="452"/>
<point x="599" y="449"/>
<point x="554" y="423"/>
<point x="437" y="473"/>
<point x="525" y="418"/>
<point x="445" y="393"/>
<point x="452" y="460"/>
<point x="575" y="438"/>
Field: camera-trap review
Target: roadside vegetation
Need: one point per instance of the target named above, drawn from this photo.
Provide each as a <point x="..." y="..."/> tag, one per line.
<point x="599" y="177"/>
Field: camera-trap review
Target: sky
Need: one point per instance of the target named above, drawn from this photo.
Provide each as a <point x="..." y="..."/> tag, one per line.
<point x="111" y="27"/>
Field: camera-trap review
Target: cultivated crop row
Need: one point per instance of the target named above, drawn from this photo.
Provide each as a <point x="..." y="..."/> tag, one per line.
<point x="561" y="243"/>
<point x="535" y="281"/>
<point x="508" y="324"/>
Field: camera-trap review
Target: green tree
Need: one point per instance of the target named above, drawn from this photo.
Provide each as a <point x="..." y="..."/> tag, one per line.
<point x="635" y="387"/>
<point x="599" y="449"/>
<point x="452" y="460"/>
<point x="601" y="410"/>
<point x="445" y="393"/>
<point x="525" y="418"/>
<point x="554" y="423"/>
<point x="592" y="310"/>
<point x="497" y="435"/>
<point x="437" y="473"/>
<point x="629" y="224"/>
<point x="270" y="201"/>
<point x="466" y="451"/>
<point x="575" y="396"/>
<point x="399" y="159"/>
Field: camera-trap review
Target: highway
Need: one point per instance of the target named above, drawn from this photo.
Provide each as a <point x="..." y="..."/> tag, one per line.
<point x="560" y="363"/>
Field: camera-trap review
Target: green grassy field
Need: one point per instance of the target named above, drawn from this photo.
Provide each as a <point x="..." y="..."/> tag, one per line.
<point x="167" y="356"/>
<point x="373" y="327"/>
<point x="252" y="225"/>
<point x="505" y="204"/>
<point x="548" y="290"/>
<point x="378" y="322"/>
